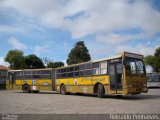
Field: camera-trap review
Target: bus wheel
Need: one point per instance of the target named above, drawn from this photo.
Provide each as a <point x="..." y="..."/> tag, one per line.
<point x="63" y="90"/>
<point x="26" y="89"/>
<point x="100" y="91"/>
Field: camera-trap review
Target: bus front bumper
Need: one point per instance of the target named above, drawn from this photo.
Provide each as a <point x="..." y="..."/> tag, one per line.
<point x="137" y="90"/>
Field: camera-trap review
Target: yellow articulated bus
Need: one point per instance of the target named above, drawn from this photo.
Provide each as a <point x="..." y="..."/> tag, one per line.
<point x="119" y="75"/>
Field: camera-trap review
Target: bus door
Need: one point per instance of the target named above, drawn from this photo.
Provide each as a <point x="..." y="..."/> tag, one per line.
<point x="12" y="79"/>
<point x="115" y="73"/>
<point x="53" y="76"/>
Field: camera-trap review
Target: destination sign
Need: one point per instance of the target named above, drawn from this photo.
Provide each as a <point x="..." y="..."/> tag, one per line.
<point x="133" y="55"/>
<point x="115" y="60"/>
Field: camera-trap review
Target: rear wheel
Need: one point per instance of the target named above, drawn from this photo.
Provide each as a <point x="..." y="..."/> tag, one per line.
<point x="100" y="91"/>
<point x="26" y="89"/>
<point x="63" y="90"/>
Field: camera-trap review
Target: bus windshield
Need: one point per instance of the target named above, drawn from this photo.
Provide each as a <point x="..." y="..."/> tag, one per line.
<point x="134" y="66"/>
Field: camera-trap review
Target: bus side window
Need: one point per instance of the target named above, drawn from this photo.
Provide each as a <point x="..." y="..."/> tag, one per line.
<point x="76" y="71"/>
<point x="96" y="69"/>
<point x="27" y="74"/>
<point x="82" y="70"/>
<point x="19" y="75"/>
<point x="45" y="74"/>
<point x="58" y="73"/>
<point x="88" y="69"/>
<point x="103" y="67"/>
<point x="71" y="72"/>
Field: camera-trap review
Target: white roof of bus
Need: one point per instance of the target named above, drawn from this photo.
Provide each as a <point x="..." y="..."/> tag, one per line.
<point x="108" y="58"/>
<point x="14" y="70"/>
<point x="30" y="69"/>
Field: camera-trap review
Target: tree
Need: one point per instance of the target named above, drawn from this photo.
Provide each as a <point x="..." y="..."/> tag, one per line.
<point x="46" y="61"/>
<point x="154" y="61"/>
<point x="33" y="62"/>
<point x="78" y="54"/>
<point x="55" y="64"/>
<point x="157" y="55"/>
<point x="16" y="59"/>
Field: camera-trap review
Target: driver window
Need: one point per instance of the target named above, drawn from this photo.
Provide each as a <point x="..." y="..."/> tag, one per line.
<point x="133" y="67"/>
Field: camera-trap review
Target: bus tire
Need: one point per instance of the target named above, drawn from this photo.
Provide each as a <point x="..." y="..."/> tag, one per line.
<point x="26" y="89"/>
<point x="100" y="91"/>
<point x="63" y="90"/>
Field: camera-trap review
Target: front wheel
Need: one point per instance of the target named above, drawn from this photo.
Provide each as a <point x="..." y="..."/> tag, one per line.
<point x="63" y="90"/>
<point x="26" y="89"/>
<point x="100" y="91"/>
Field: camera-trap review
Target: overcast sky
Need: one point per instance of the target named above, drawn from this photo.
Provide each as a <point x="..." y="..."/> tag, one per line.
<point x="49" y="28"/>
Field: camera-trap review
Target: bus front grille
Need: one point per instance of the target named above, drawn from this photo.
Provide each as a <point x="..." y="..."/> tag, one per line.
<point x="137" y="84"/>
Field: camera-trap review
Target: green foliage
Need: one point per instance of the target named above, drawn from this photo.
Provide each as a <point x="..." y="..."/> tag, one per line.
<point x="55" y="64"/>
<point x="149" y="60"/>
<point x="157" y="53"/>
<point x="16" y="59"/>
<point x="154" y="61"/>
<point x="78" y="54"/>
<point x="33" y="62"/>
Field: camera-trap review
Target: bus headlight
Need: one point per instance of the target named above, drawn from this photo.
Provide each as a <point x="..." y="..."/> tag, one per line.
<point x="130" y="85"/>
<point x="145" y="85"/>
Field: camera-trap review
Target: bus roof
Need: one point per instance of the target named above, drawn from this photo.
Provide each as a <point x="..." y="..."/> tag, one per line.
<point x="124" y="53"/>
<point x="108" y="58"/>
<point x="14" y="70"/>
<point x="29" y="69"/>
